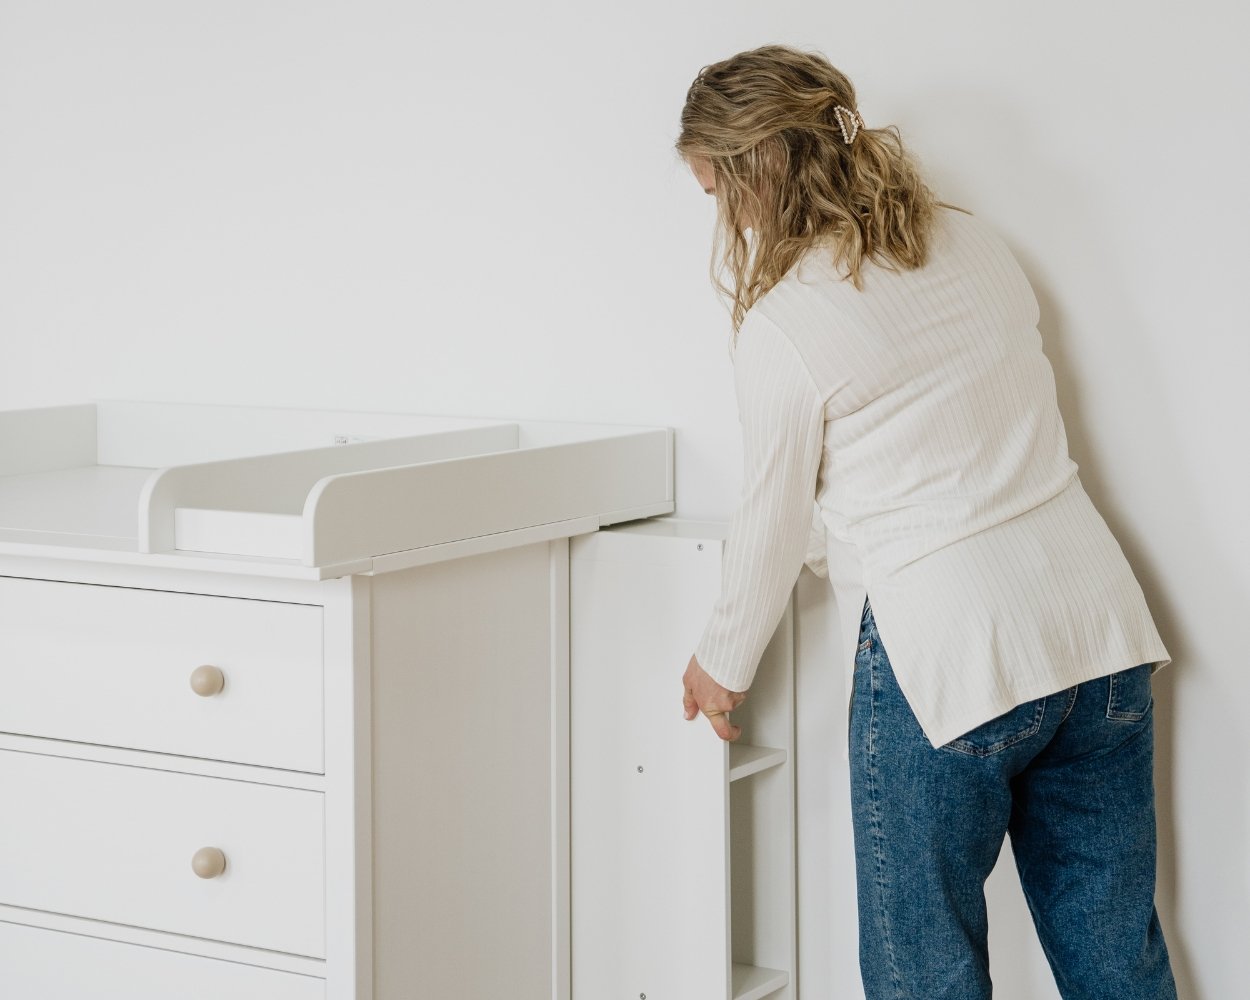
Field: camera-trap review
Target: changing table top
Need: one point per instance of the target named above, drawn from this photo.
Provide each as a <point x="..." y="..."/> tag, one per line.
<point x="310" y="493"/>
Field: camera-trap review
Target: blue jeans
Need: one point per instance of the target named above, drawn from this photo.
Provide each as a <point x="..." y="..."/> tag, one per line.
<point x="1069" y="776"/>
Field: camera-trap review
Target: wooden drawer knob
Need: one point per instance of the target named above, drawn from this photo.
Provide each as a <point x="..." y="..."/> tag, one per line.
<point x="208" y="862"/>
<point x="207" y="680"/>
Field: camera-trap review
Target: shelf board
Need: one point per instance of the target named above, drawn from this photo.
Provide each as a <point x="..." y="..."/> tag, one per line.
<point x="745" y="759"/>
<point x="752" y="982"/>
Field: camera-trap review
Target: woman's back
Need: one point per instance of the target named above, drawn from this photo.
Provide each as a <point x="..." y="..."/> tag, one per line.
<point x="941" y="411"/>
<point x="944" y="485"/>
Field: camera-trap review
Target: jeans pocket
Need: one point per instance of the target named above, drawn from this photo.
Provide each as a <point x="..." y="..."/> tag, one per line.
<point x="1002" y="731"/>
<point x="1129" y="697"/>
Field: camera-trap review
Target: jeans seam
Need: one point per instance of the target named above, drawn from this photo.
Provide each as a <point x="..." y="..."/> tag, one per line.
<point x="878" y="835"/>
<point x="1071" y="701"/>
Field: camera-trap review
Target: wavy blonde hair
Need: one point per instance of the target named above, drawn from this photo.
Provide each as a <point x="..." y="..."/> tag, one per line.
<point x="765" y="120"/>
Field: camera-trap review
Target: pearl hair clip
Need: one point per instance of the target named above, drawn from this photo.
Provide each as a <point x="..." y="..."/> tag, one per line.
<point x="844" y="115"/>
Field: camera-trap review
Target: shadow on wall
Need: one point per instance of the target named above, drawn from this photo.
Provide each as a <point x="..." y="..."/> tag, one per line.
<point x="1019" y="965"/>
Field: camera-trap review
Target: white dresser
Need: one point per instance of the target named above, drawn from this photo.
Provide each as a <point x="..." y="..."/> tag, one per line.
<point x="284" y="698"/>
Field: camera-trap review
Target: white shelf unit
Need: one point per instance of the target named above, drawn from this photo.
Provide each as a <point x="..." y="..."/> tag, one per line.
<point x="683" y="874"/>
<point x="340" y="669"/>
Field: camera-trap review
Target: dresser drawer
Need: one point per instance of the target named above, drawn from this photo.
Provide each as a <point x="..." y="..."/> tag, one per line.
<point x="115" y="665"/>
<point x="116" y="843"/>
<point x="44" y="964"/>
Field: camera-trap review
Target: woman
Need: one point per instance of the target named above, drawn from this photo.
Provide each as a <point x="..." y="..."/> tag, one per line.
<point x="891" y="382"/>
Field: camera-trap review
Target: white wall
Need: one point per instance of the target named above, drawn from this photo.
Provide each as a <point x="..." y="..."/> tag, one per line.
<point x="474" y="209"/>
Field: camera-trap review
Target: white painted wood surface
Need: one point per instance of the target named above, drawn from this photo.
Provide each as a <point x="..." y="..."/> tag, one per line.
<point x="348" y="616"/>
<point x="286" y="482"/>
<point x="315" y="488"/>
<point x="47" y="438"/>
<point x="764" y="917"/>
<point x="389" y="774"/>
<point x="463" y="844"/>
<point x="41" y="964"/>
<point x="78" y="505"/>
<point x="412" y="506"/>
<point x="560" y="791"/>
<point x="115" y="843"/>
<point x="148" y="938"/>
<point x="682" y="845"/>
<point x="112" y="665"/>
<point x="238" y="532"/>
<point x="650" y="834"/>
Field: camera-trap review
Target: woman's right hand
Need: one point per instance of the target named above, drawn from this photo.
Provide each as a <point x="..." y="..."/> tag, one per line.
<point x="702" y="694"/>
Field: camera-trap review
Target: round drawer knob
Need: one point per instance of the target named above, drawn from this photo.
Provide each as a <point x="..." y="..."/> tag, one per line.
<point x="208" y="862"/>
<point x="207" y="680"/>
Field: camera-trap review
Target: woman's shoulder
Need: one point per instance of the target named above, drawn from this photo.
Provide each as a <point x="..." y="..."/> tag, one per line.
<point x="815" y="299"/>
<point x="970" y="233"/>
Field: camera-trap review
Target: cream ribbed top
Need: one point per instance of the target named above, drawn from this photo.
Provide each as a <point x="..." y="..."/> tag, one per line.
<point x="906" y="441"/>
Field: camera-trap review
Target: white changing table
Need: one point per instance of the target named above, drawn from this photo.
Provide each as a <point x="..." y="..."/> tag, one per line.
<point x="285" y="697"/>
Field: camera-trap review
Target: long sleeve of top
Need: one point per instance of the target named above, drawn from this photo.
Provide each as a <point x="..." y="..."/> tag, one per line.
<point x="776" y="527"/>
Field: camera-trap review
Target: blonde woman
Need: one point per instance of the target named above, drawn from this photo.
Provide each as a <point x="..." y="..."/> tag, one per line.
<point x="901" y="435"/>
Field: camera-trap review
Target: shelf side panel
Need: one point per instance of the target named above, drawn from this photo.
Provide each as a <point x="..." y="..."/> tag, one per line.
<point x="461" y="778"/>
<point x="649" y="790"/>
